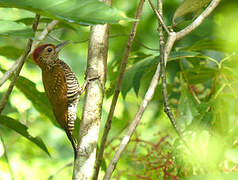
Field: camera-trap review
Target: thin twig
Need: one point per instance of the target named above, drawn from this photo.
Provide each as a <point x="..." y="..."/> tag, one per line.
<point x="198" y="20"/>
<point x="167" y="109"/>
<point x="42" y="36"/>
<point x="6" y="157"/>
<point x="59" y="170"/>
<point x="8" y="73"/>
<point x="22" y="60"/>
<point x="163" y="72"/>
<point x="159" y="17"/>
<point x="118" y="87"/>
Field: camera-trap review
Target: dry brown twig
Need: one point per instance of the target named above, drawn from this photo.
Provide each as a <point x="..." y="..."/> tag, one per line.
<point x="172" y="37"/>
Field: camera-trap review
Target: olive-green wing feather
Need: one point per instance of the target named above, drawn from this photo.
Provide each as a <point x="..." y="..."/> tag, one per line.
<point x="56" y="89"/>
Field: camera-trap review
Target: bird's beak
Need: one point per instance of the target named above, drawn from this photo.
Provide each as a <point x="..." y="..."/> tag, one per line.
<point x="61" y="45"/>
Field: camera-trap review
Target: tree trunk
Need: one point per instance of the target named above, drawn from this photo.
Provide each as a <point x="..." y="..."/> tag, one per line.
<point x="90" y="123"/>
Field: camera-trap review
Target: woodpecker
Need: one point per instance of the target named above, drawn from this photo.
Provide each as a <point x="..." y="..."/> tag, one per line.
<point x="61" y="87"/>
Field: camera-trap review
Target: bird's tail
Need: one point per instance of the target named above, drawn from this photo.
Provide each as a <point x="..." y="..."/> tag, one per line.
<point x="73" y="142"/>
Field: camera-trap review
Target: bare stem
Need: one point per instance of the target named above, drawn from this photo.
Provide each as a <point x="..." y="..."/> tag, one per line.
<point x="118" y="88"/>
<point x="42" y="36"/>
<point x="22" y="60"/>
<point x="159" y="17"/>
<point x="163" y="72"/>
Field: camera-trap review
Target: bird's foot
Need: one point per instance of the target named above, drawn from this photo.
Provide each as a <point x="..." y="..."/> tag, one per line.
<point x="86" y="82"/>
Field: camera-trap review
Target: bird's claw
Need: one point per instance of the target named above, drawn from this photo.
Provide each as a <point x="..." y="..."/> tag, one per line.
<point x="83" y="87"/>
<point x="92" y="78"/>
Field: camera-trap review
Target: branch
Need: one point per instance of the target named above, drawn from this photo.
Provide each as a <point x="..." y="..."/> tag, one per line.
<point x="8" y="73"/>
<point x="163" y="73"/>
<point x="198" y="21"/>
<point x="118" y="87"/>
<point x="42" y="36"/>
<point x="22" y="60"/>
<point x="159" y="17"/>
<point x="92" y="109"/>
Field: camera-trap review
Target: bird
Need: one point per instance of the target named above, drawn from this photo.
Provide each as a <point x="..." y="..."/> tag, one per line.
<point x="61" y="87"/>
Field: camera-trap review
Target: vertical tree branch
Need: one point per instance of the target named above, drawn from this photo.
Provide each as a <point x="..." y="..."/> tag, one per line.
<point x="118" y="88"/>
<point x="159" y="15"/>
<point x="163" y="70"/>
<point x="90" y="123"/>
<point x="22" y="60"/>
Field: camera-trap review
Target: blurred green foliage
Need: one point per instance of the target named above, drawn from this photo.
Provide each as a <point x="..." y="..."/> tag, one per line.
<point x="202" y="85"/>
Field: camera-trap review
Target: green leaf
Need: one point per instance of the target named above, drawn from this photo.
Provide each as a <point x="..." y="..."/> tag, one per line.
<point x="30" y="20"/>
<point x="75" y="11"/>
<point x="22" y="130"/>
<point x="174" y="55"/>
<point x="10" y="52"/>
<point x="214" y="44"/>
<point x="189" y="6"/>
<point x="135" y="73"/>
<point x="14" y="14"/>
<point x="11" y="28"/>
<point x="187" y="107"/>
<point x="225" y="97"/>
<point x="38" y="99"/>
<point x="200" y="74"/>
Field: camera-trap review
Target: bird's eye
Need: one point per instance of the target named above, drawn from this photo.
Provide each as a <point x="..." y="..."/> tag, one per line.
<point x="49" y="49"/>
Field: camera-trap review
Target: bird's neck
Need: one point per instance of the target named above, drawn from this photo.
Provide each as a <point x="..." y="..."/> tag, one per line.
<point x="47" y="65"/>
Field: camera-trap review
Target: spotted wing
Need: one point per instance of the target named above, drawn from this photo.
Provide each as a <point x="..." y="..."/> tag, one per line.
<point x="56" y="89"/>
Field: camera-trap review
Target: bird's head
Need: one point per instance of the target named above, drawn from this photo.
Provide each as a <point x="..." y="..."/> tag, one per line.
<point x="46" y="53"/>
